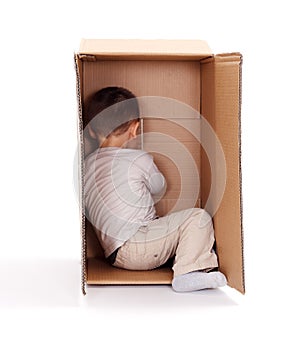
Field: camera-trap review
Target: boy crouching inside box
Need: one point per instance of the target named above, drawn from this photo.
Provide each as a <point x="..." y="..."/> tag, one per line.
<point x="121" y="186"/>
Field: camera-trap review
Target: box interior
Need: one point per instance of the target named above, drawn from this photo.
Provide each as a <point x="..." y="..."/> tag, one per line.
<point x="210" y="85"/>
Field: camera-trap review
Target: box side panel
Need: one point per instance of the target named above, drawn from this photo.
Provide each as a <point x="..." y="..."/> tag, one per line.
<point x="145" y="49"/>
<point x="208" y="111"/>
<point x="78" y="68"/>
<point x="221" y="107"/>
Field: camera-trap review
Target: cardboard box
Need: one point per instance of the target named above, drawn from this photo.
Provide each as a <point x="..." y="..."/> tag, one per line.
<point x="210" y="85"/>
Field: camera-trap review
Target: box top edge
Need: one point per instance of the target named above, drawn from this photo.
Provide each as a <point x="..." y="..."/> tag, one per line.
<point x="122" y="47"/>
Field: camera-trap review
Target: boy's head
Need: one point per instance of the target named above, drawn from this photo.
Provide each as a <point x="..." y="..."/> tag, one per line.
<point x="112" y="112"/>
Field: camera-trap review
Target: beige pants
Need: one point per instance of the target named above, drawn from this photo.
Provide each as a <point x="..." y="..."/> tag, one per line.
<point x="188" y="235"/>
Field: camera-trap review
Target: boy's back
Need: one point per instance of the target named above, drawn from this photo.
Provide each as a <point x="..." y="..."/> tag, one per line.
<point x="119" y="184"/>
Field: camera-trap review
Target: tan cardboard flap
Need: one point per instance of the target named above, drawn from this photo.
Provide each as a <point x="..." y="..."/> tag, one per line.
<point x="221" y="107"/>
<point x="135" y="49"/>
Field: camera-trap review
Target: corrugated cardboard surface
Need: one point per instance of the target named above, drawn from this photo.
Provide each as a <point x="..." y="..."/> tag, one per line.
<point x="221" y="107"/>
<point x="172" y="79"/>
<point x="174" y="161"/>
<point x="152" y="49"/>
<point x="102" y="273"/>
<point x="213" y="83"/>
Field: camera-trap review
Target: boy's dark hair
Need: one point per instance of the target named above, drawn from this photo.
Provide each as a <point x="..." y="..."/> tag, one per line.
<point x="111" y="110"/>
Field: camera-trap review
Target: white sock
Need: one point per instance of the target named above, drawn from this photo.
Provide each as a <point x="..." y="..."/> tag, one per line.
<point x="194" y="281"/>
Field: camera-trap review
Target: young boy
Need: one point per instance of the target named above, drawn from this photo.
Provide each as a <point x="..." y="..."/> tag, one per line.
<point x="120" y="188"/>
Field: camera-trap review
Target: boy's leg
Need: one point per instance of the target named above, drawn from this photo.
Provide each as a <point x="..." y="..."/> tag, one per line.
<point x="195" y="242"/>
<point x="198" y="280"/>
<point x="148" y="249"/>
<point x="195" y="253"/>
<point x="155" y="243"/>
<point x="188" y="235"/>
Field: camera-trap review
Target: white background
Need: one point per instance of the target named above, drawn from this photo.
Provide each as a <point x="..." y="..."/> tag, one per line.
<point x="40" y="242"/>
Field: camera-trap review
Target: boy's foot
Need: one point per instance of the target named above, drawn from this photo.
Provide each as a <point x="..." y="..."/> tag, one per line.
<point x="198" y="280"/>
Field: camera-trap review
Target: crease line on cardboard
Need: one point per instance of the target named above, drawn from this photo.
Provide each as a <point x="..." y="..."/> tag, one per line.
<point x="81" y="171"/>
<point x="240" y="170"/>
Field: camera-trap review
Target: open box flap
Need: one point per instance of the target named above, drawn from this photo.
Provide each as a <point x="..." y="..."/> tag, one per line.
<point x="141" y="49"/>
<point x="220" y="105"/>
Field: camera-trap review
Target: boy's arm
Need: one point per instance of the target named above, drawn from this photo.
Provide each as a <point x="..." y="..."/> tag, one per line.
<point x="156" y="182"/>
